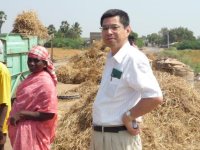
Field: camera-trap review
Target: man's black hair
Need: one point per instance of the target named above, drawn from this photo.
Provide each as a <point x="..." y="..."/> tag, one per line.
<point x="124" y="18"/>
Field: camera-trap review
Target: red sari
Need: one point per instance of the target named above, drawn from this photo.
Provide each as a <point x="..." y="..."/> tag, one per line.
<point x="36" y="93"/>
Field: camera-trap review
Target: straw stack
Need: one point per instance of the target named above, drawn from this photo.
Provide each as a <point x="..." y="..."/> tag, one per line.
<point x="174" y="125"/>
<point x="28" y="23"/>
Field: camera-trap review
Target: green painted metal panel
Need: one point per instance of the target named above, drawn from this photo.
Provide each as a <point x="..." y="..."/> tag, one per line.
<point x="15" y="49"/>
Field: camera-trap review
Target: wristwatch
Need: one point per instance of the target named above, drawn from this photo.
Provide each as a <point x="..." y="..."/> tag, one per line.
<point x="134" y="122"/>
<point x="128" y="114"/>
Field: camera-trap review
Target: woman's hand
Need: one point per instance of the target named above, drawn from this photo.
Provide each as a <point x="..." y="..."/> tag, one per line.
<point x="30" y="115"/>
<point x="15" y="119"/>
<point x="131" y="125"/>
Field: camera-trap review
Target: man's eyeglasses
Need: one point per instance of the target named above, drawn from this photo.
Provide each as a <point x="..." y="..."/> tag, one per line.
<point x="111" y="27"/>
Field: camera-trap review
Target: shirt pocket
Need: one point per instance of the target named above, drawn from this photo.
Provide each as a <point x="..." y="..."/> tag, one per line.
<point x="112" y="87"/>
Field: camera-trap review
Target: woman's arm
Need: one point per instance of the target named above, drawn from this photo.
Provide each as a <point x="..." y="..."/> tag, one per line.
<point x="30" y="115"/>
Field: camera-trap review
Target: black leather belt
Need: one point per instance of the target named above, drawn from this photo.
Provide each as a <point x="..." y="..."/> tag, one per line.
<point x="114" y="129"/>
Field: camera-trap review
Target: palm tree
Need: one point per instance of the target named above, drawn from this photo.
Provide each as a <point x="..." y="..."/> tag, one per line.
<point x="64" y="27"/>
<point x="51" y="29"/>
<point x="76" y="29"/>
<point x="3" y="17"/>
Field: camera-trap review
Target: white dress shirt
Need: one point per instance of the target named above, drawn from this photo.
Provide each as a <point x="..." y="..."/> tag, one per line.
<point x="117" y="94"/>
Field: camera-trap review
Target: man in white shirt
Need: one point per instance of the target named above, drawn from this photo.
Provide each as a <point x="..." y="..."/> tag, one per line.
<point x="128" y="88"/>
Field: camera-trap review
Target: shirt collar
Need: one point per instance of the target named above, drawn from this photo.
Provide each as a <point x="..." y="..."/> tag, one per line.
<point x="122" y="52"/>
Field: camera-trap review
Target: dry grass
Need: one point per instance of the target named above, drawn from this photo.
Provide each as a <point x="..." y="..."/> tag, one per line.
<point x="85" y="67"/>
<point x="174" y="125"/>
<point x="28" y="23"/>
<point x="193" y="54"/>
<point x="60" y="54"/>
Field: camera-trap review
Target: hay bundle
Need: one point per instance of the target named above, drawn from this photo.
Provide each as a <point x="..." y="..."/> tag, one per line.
<point x="28" y="23"/>
<point x="174" y="125"/>
<point x="74" y="130"/>
<point x="86" y="67"/>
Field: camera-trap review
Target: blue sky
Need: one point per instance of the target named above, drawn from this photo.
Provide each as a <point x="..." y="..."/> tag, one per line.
<point x="147" y="16"/>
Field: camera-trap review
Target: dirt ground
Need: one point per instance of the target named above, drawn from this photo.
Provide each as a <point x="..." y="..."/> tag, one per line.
<point x="64" y="104"/>
<point x="59" y="54"/>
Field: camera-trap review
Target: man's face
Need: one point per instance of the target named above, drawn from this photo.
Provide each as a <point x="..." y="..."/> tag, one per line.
<point x="114" y="34"/>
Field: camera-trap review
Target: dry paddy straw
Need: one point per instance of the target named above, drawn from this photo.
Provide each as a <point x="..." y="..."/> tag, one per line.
<point x="28" y="23"/>
<point x="174" y="125"/>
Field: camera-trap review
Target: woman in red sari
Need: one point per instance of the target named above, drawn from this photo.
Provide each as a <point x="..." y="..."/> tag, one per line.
<point x="33" y="115"/>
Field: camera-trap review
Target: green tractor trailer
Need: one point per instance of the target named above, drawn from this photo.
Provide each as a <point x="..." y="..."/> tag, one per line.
<point x="14" y="52"/>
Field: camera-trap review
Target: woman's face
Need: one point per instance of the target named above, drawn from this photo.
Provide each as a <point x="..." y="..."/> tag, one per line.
<point x="35" y="65"/>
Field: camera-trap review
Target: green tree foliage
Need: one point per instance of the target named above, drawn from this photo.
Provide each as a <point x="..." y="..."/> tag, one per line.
<point x="51" y="29"/>
<point x="70" y="43"/>
<point x="181" y="34"/>
<point x="164" y="34"/>
<point x="64" y="28"/>
<point x="70" y="32"/>
<point x="133" y="37"/>
<point x="194" y="44"/>
<point x="76" y="29"/>
<point x="67" y="36"/>
<point x="3" y="18"/>
<point x="140" y="42"/>
<point x="174" y="35"/>
<point x="154" y="39"/>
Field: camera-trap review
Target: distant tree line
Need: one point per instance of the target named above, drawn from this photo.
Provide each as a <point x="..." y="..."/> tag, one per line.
<point x="181" y="38"/>
<point x="66" y="36"/>
<point x="69" y="36"/>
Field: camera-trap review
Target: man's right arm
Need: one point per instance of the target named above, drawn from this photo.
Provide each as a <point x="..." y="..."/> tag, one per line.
<point x="144" y="106"/>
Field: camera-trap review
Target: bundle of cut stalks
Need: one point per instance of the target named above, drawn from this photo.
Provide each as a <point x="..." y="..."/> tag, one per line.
<point x="74" y="129"/>
<point x="28" y="23"/>
<point x="85" y="67"/>
<point x="173" y="125"/>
